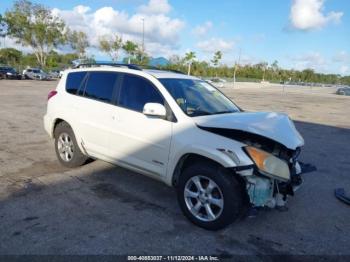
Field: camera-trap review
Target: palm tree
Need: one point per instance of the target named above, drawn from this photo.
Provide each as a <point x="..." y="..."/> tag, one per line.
<point x="130" y="48"/>
<point x="189" y="57"/>
<point x="216" y="59"/>
<point x="142" y="57"/>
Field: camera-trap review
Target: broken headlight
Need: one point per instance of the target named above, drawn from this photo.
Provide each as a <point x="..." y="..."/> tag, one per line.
<point x="268" y="164"/>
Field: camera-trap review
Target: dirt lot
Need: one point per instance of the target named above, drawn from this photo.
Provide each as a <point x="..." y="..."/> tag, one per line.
<point x="102" y="209"/>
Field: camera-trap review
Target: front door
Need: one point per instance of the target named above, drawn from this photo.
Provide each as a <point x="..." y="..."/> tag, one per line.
<point x="139" y="140"/>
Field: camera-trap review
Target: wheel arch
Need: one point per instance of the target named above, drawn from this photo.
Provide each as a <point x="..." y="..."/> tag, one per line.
<point x="78" y="138"/>
<point x="188" y="159"/>
<point x="55" y="123"/>
<point x="192" y="158"/>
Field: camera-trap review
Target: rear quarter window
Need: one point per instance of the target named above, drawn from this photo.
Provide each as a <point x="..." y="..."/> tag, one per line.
<point x="74" y="81"/>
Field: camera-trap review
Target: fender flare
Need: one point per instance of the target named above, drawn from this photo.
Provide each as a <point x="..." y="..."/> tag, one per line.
<point x="212" y="154"/>
<point x="78" y="138"/>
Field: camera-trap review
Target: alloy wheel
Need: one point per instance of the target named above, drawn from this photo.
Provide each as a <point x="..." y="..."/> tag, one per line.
<point x="203" y="198"/>
<point x="65" y="147"/>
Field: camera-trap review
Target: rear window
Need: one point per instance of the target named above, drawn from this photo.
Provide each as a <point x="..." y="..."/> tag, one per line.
<point x="74" y="81"/>
<point x="100" y="86"/>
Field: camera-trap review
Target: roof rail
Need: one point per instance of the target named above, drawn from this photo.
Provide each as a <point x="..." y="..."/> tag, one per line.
<point x="160" y="69"/>
<point x="176" y="71"/>
<point x="149" y="67"/>
<point x="130" y="66"/>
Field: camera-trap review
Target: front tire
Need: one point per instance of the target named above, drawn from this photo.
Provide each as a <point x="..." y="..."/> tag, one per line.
<point x="210" y="196"/>
<point x="66" y="147"/>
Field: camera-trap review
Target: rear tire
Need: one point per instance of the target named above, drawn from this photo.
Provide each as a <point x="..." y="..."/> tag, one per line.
<point x="66" y="147"/>
<point x="225" y="201"/>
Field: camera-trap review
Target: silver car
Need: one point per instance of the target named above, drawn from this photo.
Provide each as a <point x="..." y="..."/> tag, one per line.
<point x="345" y="91"/>
<point x="35" y="74"/>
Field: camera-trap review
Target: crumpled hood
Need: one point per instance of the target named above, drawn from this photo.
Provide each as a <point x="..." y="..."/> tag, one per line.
<point x="275" y="126"/>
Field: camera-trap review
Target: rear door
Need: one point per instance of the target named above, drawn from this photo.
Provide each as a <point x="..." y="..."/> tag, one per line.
<point x="138" y="140"/>
<point x="96" y="111"/>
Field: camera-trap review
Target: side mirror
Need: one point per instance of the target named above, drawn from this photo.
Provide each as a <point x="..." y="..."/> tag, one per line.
<point x="154" y="109"/>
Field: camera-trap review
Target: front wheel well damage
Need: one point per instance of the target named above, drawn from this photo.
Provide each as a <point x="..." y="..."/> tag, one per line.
<point x="191" y="158"/>
<point x="187" y="160"/>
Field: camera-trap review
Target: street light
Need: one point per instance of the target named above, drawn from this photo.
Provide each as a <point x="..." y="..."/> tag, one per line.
<point x="143" y="34"/>
<point x="236" y="65"/>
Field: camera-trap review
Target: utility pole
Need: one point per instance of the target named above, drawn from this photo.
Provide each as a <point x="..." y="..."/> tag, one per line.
<point x="236" y="65"/>
<point x="143" y="34"/>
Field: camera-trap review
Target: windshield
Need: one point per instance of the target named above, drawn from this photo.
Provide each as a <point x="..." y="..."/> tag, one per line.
<point x="36" y="71"/>
<point x="198" y="98"/>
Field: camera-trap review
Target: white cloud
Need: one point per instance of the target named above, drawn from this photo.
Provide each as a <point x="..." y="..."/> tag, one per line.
<point x="312" y="60"/>
<point x="341" y="57"/>
<point x="248" y="60"/>
<point x="155" y="7"/>
<point x="345" y="70"/>
<point x="215" y="44"/>
<point x="81" y="9"/>
<point x="11" y="43"/>
<point x="161" y="31"/>
<point x="308" y="14"/>
<point x="202" y="30"/>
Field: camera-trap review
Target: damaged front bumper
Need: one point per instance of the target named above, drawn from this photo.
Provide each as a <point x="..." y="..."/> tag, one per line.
<point x="269" y="192"/>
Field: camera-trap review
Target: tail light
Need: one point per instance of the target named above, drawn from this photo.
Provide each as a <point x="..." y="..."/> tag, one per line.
<point x="51" y="94"/>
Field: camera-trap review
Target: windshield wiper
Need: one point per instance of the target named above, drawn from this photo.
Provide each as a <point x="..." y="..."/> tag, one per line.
<point x="224" y="112"/>
<point x="200" y="113"/>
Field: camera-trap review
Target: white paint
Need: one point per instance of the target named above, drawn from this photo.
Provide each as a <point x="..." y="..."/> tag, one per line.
<point x="151" y="145"/>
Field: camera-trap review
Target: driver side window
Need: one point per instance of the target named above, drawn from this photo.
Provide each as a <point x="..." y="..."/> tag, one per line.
<point x="136" y="91"/>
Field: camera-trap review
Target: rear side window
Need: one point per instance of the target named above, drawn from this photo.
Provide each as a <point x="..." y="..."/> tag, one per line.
<point x="100" y="86"/>
<point x="136" y="92"/>
<point x="74" y="81"/>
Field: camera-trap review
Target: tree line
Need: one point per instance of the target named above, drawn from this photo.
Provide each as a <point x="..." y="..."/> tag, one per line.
<point x="35" y="26"/>
<point x="250" y="72"/>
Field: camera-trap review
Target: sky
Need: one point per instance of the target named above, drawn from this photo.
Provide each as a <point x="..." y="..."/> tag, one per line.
<point x="299" y="34"/>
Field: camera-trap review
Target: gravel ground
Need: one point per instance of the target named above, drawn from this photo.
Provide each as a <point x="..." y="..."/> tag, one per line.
<point x="103" y="209"/>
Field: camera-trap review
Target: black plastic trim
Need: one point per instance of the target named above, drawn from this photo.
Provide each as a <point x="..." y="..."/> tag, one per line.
<point x="240" y="168"/>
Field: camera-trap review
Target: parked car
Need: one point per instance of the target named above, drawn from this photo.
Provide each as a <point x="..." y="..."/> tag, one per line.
<point x="218" y="82"/>
<point x="2" y="75"/>
<point x="55" y="73"/>
<point x="10" y="72"/>
<point x="180" y="130"/>
<point x="35" y="74"/>
<point x="345" y="91"/>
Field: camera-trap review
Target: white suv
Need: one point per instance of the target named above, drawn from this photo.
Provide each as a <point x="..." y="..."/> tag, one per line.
<point x="180" y="130"/>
